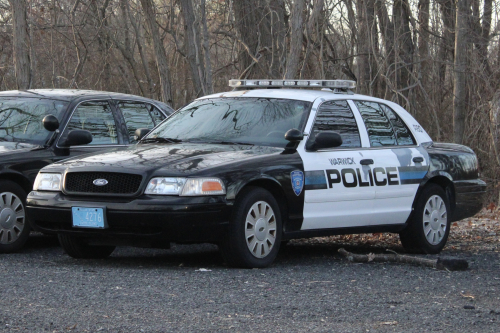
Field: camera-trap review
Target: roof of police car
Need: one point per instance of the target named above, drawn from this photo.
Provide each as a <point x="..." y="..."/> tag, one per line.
<point x="295" y="94"/>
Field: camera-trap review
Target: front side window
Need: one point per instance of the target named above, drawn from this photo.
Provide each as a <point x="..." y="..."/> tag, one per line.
<point x="97" y="118"/>
<point x="337" y="116"/>
<point x="246" y="120"/>
<point x="377" y="124"/>
<point x="136" y="116"/>
<point x="21" y="118"/>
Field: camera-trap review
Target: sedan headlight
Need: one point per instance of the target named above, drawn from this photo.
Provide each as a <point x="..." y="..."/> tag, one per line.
<point x="48" y="182"/>
<point x="185" y="186"/>
<point x="203" y="186"/>
<point x="165" y="186"/>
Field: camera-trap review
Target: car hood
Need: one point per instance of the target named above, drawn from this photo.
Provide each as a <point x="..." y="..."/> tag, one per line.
<point x="171" y="159"/>
<point x="7" y="147"/>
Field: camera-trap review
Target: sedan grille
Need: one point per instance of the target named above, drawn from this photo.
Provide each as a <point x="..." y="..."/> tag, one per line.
<point x="116" y="183"/>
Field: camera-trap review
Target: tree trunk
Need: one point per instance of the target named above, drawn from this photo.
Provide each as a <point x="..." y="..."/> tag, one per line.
<point x="21" y="54"/>
<point x="253" y="21"/>
<point x="423" y="42"/>
<point x="192" y="47"/>
<point x="206" y="50"/>
<point x="367" y="66"/>
<point x="296" y="31"/>
<point x="404" y="45"/>
<point x="459" y="92"/>
<point x="161" y="57"/>
<point x="448" y="14"/>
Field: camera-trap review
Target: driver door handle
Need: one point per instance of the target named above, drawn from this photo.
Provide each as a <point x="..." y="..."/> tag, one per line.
<point x="367" y="161"/>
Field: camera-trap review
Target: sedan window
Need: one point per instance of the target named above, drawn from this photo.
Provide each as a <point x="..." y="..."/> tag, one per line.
<point x="379" y="128"/>
<point x="337" y="116"/>
<point x="97" y="118"/>
<point x="136" y="116"/>
<point x="21" y="118"/>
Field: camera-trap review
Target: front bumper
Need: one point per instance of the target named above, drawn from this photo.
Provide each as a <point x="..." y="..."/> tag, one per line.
<point x="144" y="221"/>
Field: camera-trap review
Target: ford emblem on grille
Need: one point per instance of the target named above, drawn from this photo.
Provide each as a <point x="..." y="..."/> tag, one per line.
<point x="100" y="182"/>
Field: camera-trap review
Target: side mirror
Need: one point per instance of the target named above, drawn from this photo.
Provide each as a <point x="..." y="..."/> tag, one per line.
<point x="294" y="135"/>
<point x="324" y="140"/>
<point x="77" y="138"/>
<point x="140" y="133"/>
<point x="50" y="123"/>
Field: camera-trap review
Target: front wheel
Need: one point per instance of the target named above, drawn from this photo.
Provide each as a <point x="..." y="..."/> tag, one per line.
<point x="429" y="226"/>
<point x="14" y="227"/>
<point x="254" y="234"/>
<point x="78" y="248"/>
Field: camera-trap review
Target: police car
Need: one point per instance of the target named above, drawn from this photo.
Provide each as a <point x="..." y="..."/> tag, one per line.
<point x="251" y="168"/>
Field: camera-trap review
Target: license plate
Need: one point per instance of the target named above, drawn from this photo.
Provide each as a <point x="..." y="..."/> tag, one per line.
<point x="85" y="217"/>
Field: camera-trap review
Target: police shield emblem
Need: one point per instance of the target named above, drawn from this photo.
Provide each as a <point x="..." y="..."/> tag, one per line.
<point x="297" y="181"/>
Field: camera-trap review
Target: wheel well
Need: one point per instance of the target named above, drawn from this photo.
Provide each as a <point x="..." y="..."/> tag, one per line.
<point x="18" y="179"/>
<point x="447" y="186"/>
<point x="277" y="193"/>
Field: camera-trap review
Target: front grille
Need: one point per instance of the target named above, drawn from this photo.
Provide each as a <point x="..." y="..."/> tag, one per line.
<point x="118" y="183"/>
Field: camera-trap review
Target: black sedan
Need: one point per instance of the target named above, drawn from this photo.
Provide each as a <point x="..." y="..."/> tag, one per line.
<point x="27" y="144"/>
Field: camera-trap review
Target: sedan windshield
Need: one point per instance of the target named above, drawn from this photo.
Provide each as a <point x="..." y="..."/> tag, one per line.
<point x="21" y="118"/>
<point x="256" y="121"/>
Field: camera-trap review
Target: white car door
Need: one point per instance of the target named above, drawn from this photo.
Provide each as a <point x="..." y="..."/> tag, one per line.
<point x="398" y="163"/>
<point x="337" y="186"/>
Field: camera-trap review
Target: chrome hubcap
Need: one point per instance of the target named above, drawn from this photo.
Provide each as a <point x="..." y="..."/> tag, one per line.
<point x="12" y="218"/>
<point x="435" y="220"/>
<point x="260" y="229"/>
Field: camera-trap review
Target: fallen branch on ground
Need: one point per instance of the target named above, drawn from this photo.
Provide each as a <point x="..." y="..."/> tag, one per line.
<point x="450" y="264"/>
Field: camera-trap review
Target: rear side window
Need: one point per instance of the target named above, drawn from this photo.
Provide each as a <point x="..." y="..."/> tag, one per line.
<point x="377" y="124"/>
<point x="136" y="116"/>
<point x="157" y="115"/>
<point x="403" y="134"/>
<point x="337" y="116"/>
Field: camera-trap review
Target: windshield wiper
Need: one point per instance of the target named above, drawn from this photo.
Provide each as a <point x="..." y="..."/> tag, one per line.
<point x="160" y="140"/>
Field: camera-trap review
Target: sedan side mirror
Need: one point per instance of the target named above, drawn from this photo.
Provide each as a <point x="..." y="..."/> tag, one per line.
<point x="50" y="123"/>
<point x="294" y="135"/>
<point x="140" y="133"/>
<point x="77" y="138"/>
<point x="324" y="140"/>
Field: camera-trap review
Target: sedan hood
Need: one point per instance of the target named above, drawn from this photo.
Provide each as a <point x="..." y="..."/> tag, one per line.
<point x="7" y="147"/>
<point x="171" y="159"/>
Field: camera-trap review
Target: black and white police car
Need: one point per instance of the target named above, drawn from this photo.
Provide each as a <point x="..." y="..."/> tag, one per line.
<point x="250" y="168"/>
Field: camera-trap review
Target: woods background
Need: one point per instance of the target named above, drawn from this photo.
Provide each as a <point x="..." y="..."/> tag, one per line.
<point x="439" y="59"/>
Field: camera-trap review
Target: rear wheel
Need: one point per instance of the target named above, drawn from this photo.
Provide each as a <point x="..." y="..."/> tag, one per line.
<point x="254" y="234"/>
<point x="78" y="248"/>
<point x="14" y="227"/>
<point x="429" y="227"/>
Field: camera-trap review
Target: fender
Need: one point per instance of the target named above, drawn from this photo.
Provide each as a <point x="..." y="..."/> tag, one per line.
<point x="18" y="178"/>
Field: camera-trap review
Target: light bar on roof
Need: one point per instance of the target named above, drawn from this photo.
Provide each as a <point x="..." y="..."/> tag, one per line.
<point x="335" y="84"/>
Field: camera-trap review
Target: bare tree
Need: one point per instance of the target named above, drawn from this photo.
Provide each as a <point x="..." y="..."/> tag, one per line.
<point x="296" y="31"/>
<point x="21" y="54"/>
<point x="459" y="87"/>
<point x="161" y="57"/>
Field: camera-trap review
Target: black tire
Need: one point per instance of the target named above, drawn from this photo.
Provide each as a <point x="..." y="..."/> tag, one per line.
<point x="14" y="229"/>
<point x="415" y="238"/>
<point x="78" y="248"/>
<point x="234" y="248"/>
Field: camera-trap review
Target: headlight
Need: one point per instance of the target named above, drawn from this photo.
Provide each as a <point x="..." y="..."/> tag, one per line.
<point x="203" y="186"/>
<point x="165" y="186"/>
<point x="185" y="186"/>
<point x="48" y="182"/>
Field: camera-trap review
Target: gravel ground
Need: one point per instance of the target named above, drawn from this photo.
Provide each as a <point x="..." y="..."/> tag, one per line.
<point x="310" y="287"/>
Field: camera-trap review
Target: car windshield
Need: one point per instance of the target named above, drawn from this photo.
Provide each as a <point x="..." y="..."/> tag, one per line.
<point x="21" y="118"/>
<point x="256" y="121"/>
